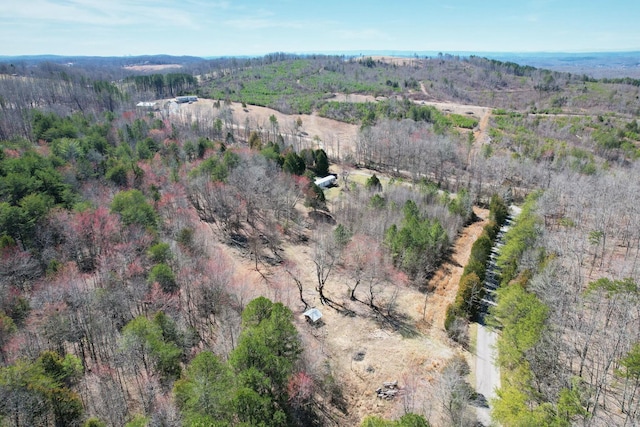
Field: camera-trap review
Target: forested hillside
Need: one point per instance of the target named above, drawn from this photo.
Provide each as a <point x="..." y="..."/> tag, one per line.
<point x="156" y="260"/>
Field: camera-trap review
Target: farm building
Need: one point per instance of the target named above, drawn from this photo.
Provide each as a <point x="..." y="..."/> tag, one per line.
<point x="326" y="182"/>
<point x="147" y="105"/>
<point x="185" y="99"/>
<point x="312" y="315"/>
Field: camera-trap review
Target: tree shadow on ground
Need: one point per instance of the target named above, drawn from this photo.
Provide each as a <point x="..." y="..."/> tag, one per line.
<point x="397" y="322"/>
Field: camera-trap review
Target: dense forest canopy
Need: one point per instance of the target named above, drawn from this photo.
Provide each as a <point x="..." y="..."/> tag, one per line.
<point x="155" y="263"/>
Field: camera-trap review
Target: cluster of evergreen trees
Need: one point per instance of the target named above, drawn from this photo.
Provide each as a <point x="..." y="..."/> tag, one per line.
<point x="418" y="243"/>
<point x="34" y="392"/>
<point x="255" y="386"/>
<point x="471" y="287"/>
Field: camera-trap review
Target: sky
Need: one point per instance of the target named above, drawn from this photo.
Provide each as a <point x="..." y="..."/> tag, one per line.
<point x="251" y="27"/>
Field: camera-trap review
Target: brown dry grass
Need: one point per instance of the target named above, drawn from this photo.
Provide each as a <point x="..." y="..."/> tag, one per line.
<point x="315" y="130"/>
<point x="395" y="60"/>
<point x="411" y="354"/>
<point x="336" y="138"/>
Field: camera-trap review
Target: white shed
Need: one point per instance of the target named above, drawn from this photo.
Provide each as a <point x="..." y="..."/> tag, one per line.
<point x="148" y="105"/>
<point x="325" y="182"/>
<point x="312" y="315"/>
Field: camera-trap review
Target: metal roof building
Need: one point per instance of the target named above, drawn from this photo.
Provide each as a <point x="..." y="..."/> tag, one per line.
<point x="313" y="315"/>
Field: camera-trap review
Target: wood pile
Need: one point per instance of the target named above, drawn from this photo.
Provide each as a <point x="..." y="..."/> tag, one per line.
<point x="388" y="391"/>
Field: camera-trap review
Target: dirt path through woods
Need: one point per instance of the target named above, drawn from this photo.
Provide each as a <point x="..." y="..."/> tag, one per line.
<point x="445" y="281"/>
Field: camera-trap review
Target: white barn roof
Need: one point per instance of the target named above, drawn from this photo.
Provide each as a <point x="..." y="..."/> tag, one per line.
<point x="325" y="182"/>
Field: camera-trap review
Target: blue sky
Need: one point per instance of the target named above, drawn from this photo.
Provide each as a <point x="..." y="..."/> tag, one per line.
<point x="251" y="27"/>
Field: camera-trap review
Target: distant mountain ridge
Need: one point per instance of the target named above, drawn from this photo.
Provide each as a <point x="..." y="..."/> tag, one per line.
<point x="107" y="60"/>
<point x="595" y="64"/>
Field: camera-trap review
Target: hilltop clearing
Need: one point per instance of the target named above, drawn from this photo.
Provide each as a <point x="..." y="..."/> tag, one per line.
<point x="336" y="137"/>
<point x="147" y="68"/>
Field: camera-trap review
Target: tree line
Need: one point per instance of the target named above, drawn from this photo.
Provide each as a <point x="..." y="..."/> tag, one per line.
<point x="164" y="85"/>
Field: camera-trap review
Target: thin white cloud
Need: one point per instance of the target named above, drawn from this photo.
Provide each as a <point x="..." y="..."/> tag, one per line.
<point x="107" y="13"/>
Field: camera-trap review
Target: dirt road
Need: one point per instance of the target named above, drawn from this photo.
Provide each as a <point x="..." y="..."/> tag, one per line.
<point x="487" y="373"/>
<point x="486" y="366"/>
<point x="444" y="283"/>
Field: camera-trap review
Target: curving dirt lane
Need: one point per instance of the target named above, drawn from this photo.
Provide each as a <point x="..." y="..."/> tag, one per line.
<point x="444" y="283"/>
<point x="481" y="134"/>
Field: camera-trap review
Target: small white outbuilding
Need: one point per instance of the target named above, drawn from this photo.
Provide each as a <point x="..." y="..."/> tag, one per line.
<point x="312" y="315"/>
<point x="325" y="182"/>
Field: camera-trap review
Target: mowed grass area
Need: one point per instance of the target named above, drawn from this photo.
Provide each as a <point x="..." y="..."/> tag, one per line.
<point x="359" y="179"/>
<point x="333" y="193"/>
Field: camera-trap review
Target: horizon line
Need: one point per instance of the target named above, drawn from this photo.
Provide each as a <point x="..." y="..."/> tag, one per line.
<point x="359" y="52"/>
